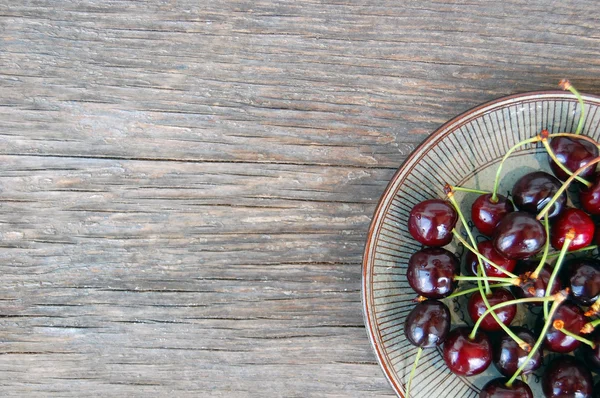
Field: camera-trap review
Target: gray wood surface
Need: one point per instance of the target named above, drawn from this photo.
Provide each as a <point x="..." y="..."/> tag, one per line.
<point x="186" y="186"/>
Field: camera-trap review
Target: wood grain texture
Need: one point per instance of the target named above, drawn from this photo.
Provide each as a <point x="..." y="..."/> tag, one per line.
<point x="186" y="186"/>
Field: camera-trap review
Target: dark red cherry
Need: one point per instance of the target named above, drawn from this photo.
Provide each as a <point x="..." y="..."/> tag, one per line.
<point x="582" y="276"/>
<point x="519" y="235"/>
<point x="537" y="287"/>
<point x="534" y="190"/>
<point x="508" y="356"/>
<point x="486" y="249"/>
<point x="592" y="355"/>
<point x="466" y="357"/>
<point x="589" y="197"/>
<point x="487" y="214"/>
<point x="567" y="377"/>
<point x="572" y="153"/>
<point x="428" y="324"/>
<point x="476" y="308"/>
<point x="576" y="220"/>
<point x="574" y="319"/>
<point x="431" y="222"/>
<point x="497" y="388"/>
<point x="431" y="272"/>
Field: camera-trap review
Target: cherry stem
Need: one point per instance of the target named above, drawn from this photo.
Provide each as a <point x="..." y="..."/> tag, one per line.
<point x="579" y="137"/>
<point x="412" y="371"/>
<point x="475" y="289"/>
<point x="565" y="185"/>
<point x="470" y="190"/>
<point x="512" y="281"/>
<point x="539" y="268"/>
<point x="583" y="249"/>
<point x="513" y="302"/>
<point x="539" y="341"/>
<point x="560" y="164"/>
<point x="494" y="198"/>
<point x="452" y="200"/>
<point x="561" y="257"/>
<point x="566" y="85"/>
<point x="594" y="308"/>
<point x="481" y="256"/>
<point x="590" y="326"/>
<point x="560" y="325"/>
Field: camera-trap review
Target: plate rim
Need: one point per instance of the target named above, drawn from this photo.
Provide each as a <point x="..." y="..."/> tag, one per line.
<point x="392" y="186"/>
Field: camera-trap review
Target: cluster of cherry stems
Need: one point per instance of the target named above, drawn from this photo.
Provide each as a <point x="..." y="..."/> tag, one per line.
<point x="515" y="257"/>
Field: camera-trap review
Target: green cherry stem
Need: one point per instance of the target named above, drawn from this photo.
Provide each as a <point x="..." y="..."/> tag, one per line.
<point x="539" y="341"/>
<point x="475" y="289"/>
<point x="481" y="256"/>
<point x="412" y="371"/>
<point x="583" y="249"/>
<point x="452" y="199"/>
<point x="565" y="185"/>
<point x="494" y="198"/>
<point x="469" y="190"/>
<point x="560" y="325"/>
<point x="566" y="85"/>
<point x="508" y="304"/>
<point x="513" y="281"/>
<point x="590" y="326"/>
<point x="539" y="268"/>
<point x="558" y="162"/>
<point x="568" y="239"/>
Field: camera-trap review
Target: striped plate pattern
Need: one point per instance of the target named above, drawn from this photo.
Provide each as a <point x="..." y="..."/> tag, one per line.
<point x="464" y="151"/>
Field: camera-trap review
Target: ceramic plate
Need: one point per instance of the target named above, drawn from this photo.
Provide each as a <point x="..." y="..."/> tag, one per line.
<point x="465" y="151"/>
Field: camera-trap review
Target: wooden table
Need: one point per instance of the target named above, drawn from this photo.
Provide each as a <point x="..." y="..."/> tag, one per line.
<point x="186" y="186"/>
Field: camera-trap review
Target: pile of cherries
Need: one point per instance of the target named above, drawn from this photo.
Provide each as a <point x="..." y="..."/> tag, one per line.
<point x="516" y="266"/>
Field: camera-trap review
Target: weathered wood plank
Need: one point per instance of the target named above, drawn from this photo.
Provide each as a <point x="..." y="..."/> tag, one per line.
<point x="186" y="187"/>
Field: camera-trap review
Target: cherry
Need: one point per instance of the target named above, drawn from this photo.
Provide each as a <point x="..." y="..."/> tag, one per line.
<point x="576" y="220"/>
<point x="466" y="357"/>
<point x="486" y="214"/>
<point x="431" y="222"/>
<point x="573" y="318"/>
<point x="428" y="324"/>
<point x="476" y="307"/>
<point x="535" y="287"/>
<point x="508" y="356"/>
<point x="431" y="272"/>
<point x="573" y="153"/>
<point x="534" y="190"/>
<point x="486" y="249"/>
<point x="589" y="197"/>
<point x="582" y="276"/>
<point x="592" y="355"/>
<point x="567" y="377"/>
<point x="519" y="235"/>
<point x="497" y="388"/>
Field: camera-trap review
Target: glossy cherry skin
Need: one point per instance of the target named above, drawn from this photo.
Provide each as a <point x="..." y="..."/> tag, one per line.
<point x="486" y="214"/>
<point x="508" y="356"/>
<point x="564" y="377"/>
<point x="428" y="324"/>
<point x="574" y="319"/>
<point x="573" y="153"/>
<point x="431" y="272"/>
<point x="497" y="388"/>
<point x="537" y="287"/>
<point x="592" y="355"/>
<point x="466" y="357"/>
<point x="589" y="197"/>
<point x="579" y="222"/>
<point x="476" y="308"/>
<point x="486" y="249"/>
<point x="519" y="235"/>
<point x="533" y="191"/>
<point x="582" y="276"/>
<point x="431" y="222"/>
